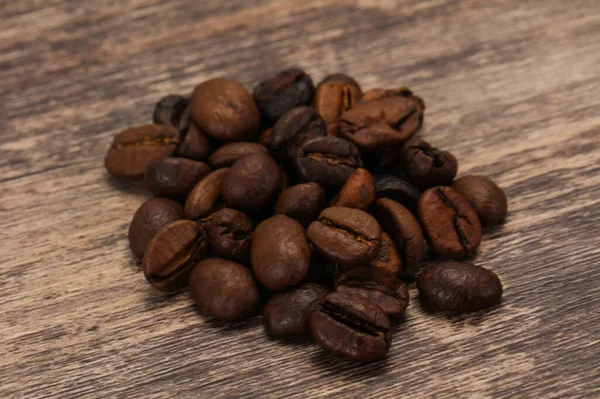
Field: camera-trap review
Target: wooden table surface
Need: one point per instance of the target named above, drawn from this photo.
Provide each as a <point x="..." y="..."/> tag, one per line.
<point x="512" y="89"/>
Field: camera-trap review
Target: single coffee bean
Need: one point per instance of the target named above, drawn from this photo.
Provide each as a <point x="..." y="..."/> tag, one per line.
<point x="382" y="123"/>
<point x="302" y="202"/>
<point x="224" y="290"/>
<point x="229" y="235"/>
<point x="134" y="149"/>
<point x="172" y="253"/>
<point x="380" y="287"/>
<point x="227" y="155"/>
<point x="378" y="94"/>
<point x="485" y="196"/>
<point x="458" y="287"/>
<point x="174" y="177"/>
<point x="172" y="110"/>
<point x="287" y="313"/>
<point x="388" y="258"/>
<point x="347" y="236"/>
<point x="293" y="128"/>
<point x="427" y="166"/>
<point x="352" y="327"/>
<point x="150" y="217"/>
<point x="402" y="227"/>
<point x="205" y="198"/>
<point x="280" y="253"/>
<point x="342" y="77"/>
<point x="450" y="223"/>
<point x="331" y="100"/>
<point x="253" y="183"/>
<point x="358" y="192"/>
<point x="400" y="190"/>
<point x="284" y="91"/>
<point x="225" y="110"/>
<point x="195" y="145"/>
<point x="328" y="161"/>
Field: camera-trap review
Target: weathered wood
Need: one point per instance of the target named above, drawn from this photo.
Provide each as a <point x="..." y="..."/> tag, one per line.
<point x="512" y="89"/>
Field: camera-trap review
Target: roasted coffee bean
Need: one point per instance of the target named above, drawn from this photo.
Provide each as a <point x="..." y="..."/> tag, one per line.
<point x="358" y="192"/>
<point x="380" y="287"/>
<point x="253" y="183"/>
<point x="172" y="253"/>
<point x="230" y="235"/>
<point x="328" y="161"/>
<point x="400" y="190"/>
<point x="293" y="128"/>
<point x="379" y="94"/>
<point x="302" y="202"/>
<point x="287" y="313"/>
<point x="225" y="110"/>
<point x="205" y="198"/>
<point x="134" y="149"/>
<point x="174" y="177"/>
<point x="342" y="77"/>
<point x="388" y="258"/>
<point x="402" y="227"/>
<point x="173" y="110"/>
<point x="331" y="100"/>
<point x="195" y="145"/>
<point x="150" y="217"/>
<point x="347" y="236"/>
<point x="427" y="166"/>
<point x="224" y="290"/>
<point x="280" y="253"/>
<point x="458" y="287"/>
<point x="284" y="91"/>
<point x="384" y="122"/>
<point x="485" y="196"/>
<point x="352" y="327"/>
<point x="450" y="223"/>
<point x="227" y="155"/>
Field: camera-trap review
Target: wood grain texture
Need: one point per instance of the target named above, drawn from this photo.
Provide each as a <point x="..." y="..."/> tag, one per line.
<point x="512" y="89"/>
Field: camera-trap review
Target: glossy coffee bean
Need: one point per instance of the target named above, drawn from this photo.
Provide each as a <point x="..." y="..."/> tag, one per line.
<point x="384" y="122"/>
<point x="284" y="91"/>
<point x="388" y="258"/>
<point x="358" y="192"/>
<point x="172" y="110"/>
<point x="342" y="77"/>
<point x="280" y="253"/>
<point x="253" y="183"/>
<point x="225" y="110"/>
<point x="174" y="177"/>
<point x="485" y="196"/>
<point x="134" y="149"/>
<point x="287" y="313"/>
<point x="450" y="222"/>
<point x="349" y="237"/>
<point x="227" y="155"/>
<point x="328" y="161"/>
<point x="230" y="235"/>
<point x="224" y="290"/>
<point x="427" y="166"/>
<point x="381" y="288"/>
<point x="293" y="128"/>
<point x="302" y="202"/>
<point x="331" y="100"/>
<point x="458" y="287"/>
<point x="195" y="145"/>
<point x="172" y="253"/>
<point x="205" y="198"/>
<point x="352" y="327"/>
<point x="150" y="217"/>
<point x="397" y="189"/>
<point x="403" y="227"/>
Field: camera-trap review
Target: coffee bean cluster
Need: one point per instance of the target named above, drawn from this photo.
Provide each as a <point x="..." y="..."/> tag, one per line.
<point x="313" y="204"/>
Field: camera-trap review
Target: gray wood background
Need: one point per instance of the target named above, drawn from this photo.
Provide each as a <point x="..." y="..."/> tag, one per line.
<point x="512" y="88"/>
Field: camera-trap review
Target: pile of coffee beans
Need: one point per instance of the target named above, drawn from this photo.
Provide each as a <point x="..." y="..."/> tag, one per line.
<point x="315" y="205"/>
